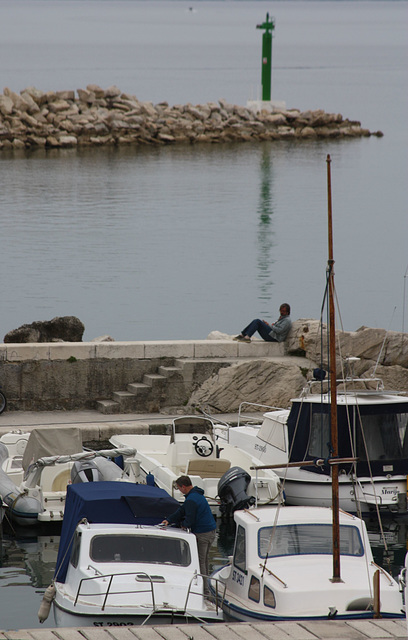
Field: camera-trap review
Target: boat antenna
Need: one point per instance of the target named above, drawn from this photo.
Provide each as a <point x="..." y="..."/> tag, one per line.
<point x="382" y="346"/>
<point x="333" y="391"/>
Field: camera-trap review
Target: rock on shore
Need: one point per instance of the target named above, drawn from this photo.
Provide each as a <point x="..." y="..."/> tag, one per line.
<point x="59" y="329"/>
<point x="96" y="116"/>
<point x="378" y="354"/>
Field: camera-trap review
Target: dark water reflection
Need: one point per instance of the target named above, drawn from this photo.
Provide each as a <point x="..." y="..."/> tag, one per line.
<point x="266" y="235"/>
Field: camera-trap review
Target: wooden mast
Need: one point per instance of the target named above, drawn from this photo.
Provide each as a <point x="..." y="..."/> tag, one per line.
<point x="333" y="393"/>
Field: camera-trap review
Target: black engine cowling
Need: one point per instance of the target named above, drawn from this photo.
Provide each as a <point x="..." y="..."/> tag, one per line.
<point x="232" y="491"/>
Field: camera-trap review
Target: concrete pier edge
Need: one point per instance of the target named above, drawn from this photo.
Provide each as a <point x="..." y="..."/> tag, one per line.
<point x="381" y="629"/>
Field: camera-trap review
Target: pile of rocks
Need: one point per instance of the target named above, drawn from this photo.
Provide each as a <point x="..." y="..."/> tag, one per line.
<point x="96" y="116"/>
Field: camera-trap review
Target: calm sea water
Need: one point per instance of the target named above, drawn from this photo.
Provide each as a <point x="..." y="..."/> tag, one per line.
<point x="173" y="243"/>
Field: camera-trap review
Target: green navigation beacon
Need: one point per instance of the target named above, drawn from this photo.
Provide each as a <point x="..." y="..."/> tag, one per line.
<point x="269" y="26"/>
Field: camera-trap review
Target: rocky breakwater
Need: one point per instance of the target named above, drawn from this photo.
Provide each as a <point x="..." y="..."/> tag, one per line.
<point x="96" y="116"/>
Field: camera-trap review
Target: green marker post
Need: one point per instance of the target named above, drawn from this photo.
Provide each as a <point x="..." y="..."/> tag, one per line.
<point x="269" y="26"/>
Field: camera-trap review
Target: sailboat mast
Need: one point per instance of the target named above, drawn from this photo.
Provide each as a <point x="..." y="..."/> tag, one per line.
<point x="333" y="391"/>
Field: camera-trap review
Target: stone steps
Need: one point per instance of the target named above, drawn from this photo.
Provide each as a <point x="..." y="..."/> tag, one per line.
<point x="171" y="384"/>
<point x="142" y="396"/>
<point x="169" y="387"/>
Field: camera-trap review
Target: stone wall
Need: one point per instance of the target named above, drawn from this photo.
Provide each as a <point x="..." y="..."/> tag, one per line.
<point x="37" y="119"/>
<point x="78" y="375"/>
<point x="218" y="373"/>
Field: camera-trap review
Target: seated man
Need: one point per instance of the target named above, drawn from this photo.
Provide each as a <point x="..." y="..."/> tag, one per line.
<point x="275" y="332"/>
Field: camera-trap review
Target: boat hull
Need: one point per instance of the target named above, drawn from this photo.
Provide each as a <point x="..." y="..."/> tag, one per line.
<point x="67" y="618"/>
<point x="242" y="614"/>
<point x="365" y="495"/>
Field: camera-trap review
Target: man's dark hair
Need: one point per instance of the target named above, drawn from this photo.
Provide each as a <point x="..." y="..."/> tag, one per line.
<point x="183" y="481"/>
<point x="286" y="306"/>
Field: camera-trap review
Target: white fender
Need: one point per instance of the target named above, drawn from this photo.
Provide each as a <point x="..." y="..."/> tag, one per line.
<point x="45" y="606"/>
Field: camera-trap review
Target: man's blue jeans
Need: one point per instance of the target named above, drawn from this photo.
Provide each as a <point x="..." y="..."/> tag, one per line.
<point x="261" y="327"/>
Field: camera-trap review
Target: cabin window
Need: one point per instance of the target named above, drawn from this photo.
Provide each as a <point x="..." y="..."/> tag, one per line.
<point x="319" y="435"/>
<point x="269" y="598"/>
<point x="301" y="539"/>
<point x="240" y="549"/>
<point x="75" y="549"/>
<point x="144" y="549"/>
<point x="254" y="591"/>
<point x="386" y="437"/>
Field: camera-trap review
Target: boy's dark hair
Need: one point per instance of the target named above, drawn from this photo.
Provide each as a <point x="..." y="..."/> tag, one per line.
<point x="183" y="481"/>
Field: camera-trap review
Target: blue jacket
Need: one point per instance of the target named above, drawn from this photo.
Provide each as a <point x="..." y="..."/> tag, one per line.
<point x="194" y="513"/>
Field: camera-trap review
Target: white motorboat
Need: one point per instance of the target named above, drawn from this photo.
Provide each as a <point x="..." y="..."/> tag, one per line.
<point x="113" y="570"/>
<point x="372" y="426"/>
<point x="223" y="472"/>
<point x="282" y="567"/>
<point x="37" y="466"/>
<point x="308" y="562"/>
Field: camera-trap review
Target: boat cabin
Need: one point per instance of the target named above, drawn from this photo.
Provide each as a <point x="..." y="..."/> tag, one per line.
<point x="371" y="427"/>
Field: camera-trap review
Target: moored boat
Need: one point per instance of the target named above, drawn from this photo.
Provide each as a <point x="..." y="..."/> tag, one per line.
<point x="282" y="565"/>
<point x="37" y="466"/>
<point x="193" y="450"/>
<point x="372" y="427"/>
<point x="115" y="566"/>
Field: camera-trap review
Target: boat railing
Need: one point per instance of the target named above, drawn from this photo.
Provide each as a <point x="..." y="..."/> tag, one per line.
<point x="108" y="591"/>
<point x="348" y="384"/>
<point x="219" y="592"/>
<point x="245" y="418"/>
<point x="147" y="580"/>
<point x="97" y="572"/>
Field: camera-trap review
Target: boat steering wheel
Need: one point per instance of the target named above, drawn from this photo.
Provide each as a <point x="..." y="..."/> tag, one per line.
<point x="204" y="447"/>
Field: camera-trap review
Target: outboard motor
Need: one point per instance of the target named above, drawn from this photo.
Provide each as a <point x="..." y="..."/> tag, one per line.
<point x="85" y="471"/>
<point x="232" y="491"/>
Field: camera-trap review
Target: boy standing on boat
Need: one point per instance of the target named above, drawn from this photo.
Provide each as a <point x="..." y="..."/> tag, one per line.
<point x="275" y="332"/>
<point x="195" y="514"/>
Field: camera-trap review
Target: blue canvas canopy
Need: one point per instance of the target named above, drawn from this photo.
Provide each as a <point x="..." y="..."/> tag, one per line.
<point x="110" y="502"/>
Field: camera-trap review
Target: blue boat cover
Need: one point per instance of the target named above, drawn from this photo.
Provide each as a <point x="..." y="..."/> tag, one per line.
<point x="111" y="502"/>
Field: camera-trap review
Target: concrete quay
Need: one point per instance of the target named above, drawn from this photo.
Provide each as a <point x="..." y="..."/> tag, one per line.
<point x="94" y="426"/>
<point x="117" y="377"/>
<point x="142" y="350"/>
<point x="390" y="629"/>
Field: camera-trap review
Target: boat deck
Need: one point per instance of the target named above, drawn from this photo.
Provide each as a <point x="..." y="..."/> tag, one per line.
<point x="390" y="629"/>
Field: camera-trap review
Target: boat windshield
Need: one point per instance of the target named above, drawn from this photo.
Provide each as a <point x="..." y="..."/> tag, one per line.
<point x="141" y="549"/>
<point x="192" y="425"/>
<point x="381" y="434"/>
<point x="306" y="539"/>
<point x="386" y="437"/>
